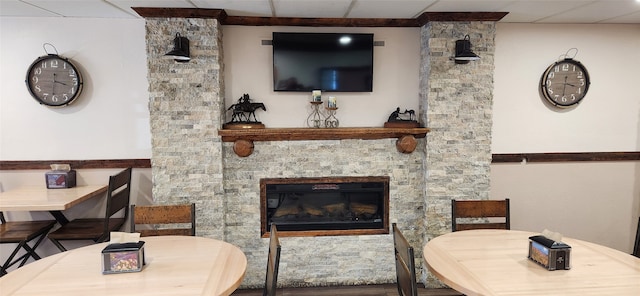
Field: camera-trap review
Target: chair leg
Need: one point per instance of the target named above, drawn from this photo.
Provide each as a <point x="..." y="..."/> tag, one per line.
<point x="30" y="252"/>
<point x="58" y="244"/>
<point x="10" y="261"/>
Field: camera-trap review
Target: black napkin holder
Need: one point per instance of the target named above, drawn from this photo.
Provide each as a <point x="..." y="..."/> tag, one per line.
<point x="124" y="257"/>
<point x="548" y="253"/>
<point x="60" y="179"/>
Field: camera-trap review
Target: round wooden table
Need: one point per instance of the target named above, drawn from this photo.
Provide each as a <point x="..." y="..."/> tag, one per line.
<point x="175" y="265"/>
<point x="494" y="262"/>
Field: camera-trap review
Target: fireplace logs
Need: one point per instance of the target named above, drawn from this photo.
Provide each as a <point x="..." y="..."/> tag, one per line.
<point x="325" y="206"/>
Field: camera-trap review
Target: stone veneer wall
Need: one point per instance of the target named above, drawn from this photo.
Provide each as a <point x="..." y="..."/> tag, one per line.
<point x="191" y="164"/>
<point x="325" y="260"/>
<point x="186" y="104"/>
<point x="456" y="104"/>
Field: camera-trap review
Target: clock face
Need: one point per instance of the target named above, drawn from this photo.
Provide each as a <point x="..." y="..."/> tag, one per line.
<point x="565" y="83"/>
<point x="54" y="81"/>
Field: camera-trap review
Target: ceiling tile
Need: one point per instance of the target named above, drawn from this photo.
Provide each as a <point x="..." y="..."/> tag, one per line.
<point x="238" y="8"/>
<point x="468" y="5"/>
<point x="595" y="12"/>
<point x="87" y="8"/>
<point x="388" y="9"/>
<point x="19" y="8"/>
<point x="311" y="8"/>
<point x="531" y="11"/>
<point x="127" y="4"/>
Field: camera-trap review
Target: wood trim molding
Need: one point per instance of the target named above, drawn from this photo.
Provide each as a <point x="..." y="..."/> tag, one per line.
<point x="318" y="22"/>
<point x="148" y="12"/>
<point x="566" y="157"/>
<point x="243" y="138"/>
<point x="224" y="19"/>
<point x="75" y="164"/>
<point x="293" y="134"/>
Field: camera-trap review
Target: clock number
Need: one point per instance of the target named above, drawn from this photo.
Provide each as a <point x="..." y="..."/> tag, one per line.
<point x="54" y="63"/>
<point x="565" y="67"/>
<point x="34" y="79"/>
<point x="43" y="65"/>
<point x="38" y="88"/>
<point x="37" y="71"/>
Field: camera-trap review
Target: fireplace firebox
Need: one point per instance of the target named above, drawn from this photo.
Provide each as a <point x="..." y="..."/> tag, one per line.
<point x="325" y="206"/>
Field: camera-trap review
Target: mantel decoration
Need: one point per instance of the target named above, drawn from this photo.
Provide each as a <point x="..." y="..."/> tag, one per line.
<point x="243" y="114"/>
<point x="332" y="106"/>
<point x="315" y="118"/>
<point x="406" y="119"/>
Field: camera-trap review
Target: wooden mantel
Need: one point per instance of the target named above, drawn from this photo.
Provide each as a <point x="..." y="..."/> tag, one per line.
<point x="243" y="138"/>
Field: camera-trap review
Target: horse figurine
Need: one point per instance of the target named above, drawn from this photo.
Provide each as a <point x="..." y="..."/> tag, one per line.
<point x="402" y="116"/>
<point x="245" y="109"/>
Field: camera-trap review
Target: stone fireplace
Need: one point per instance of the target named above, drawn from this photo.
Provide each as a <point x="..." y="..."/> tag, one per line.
<point x="325" y="206"/>
<point x="190" y="163"/>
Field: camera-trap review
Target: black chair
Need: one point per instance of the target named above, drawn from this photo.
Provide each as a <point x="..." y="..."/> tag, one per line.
<point x="405" y="264"/>
<point x="164" y="219"/>
<point x="484" y="212"/>
<point x="22" y="233"/>
<point x="98" y="229"/>
<point x="273" y="261"/>
<point x="636" y="246"/>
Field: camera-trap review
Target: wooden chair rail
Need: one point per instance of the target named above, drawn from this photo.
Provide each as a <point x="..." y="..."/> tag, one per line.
<point x="496" y="158"/>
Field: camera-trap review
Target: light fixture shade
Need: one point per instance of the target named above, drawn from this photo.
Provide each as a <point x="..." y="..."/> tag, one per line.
<point x="463" y="51"/>
<point x="180" y="52"/>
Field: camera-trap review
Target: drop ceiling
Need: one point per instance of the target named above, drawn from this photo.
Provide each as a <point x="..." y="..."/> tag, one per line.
<point x="519" y="11"/>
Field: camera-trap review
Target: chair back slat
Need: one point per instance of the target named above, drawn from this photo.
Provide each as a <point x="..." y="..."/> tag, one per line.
<point x="118" y="197"/>
<point x="636" y="246"/>
<point x="480" y="208"/>
<point x="405" y="264"/>
<point x="164" y="219"/>
<point x="480" y="214"/>
<point x="273" y="263"/>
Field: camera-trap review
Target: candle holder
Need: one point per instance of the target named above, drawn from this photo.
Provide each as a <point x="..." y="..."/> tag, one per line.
<point x="331" y="120"/>
<point x="315" y="119"/>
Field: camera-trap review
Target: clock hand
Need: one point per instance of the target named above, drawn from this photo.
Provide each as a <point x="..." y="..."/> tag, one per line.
<point x="55" y="81"/>
<point x="564" y="86"/>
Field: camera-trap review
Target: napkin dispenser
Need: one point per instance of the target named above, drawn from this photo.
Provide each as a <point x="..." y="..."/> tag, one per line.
<point x="123" y="257"/>
<point x="550" y="254"/>
<point x="60" y="176"/>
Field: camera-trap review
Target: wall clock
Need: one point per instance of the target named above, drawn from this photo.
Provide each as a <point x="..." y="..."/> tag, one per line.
<point x="54" y="80"/>
<point x="565" y="83"/>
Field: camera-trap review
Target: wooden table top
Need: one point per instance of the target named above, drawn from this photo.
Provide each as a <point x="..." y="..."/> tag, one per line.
<point x="176" y="265"/>
<point x="494" y="262"/>
<point x="39" y="198"/>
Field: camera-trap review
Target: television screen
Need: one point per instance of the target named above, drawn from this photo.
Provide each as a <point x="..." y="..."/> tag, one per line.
<point x="332" y="62"/>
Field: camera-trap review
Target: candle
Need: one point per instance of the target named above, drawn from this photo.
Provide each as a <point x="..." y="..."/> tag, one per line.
<point x="316" y="95"/>
<point x="332" y="102"/>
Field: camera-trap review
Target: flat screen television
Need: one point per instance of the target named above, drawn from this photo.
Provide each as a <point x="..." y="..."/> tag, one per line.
<point x="331" y="62"/>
